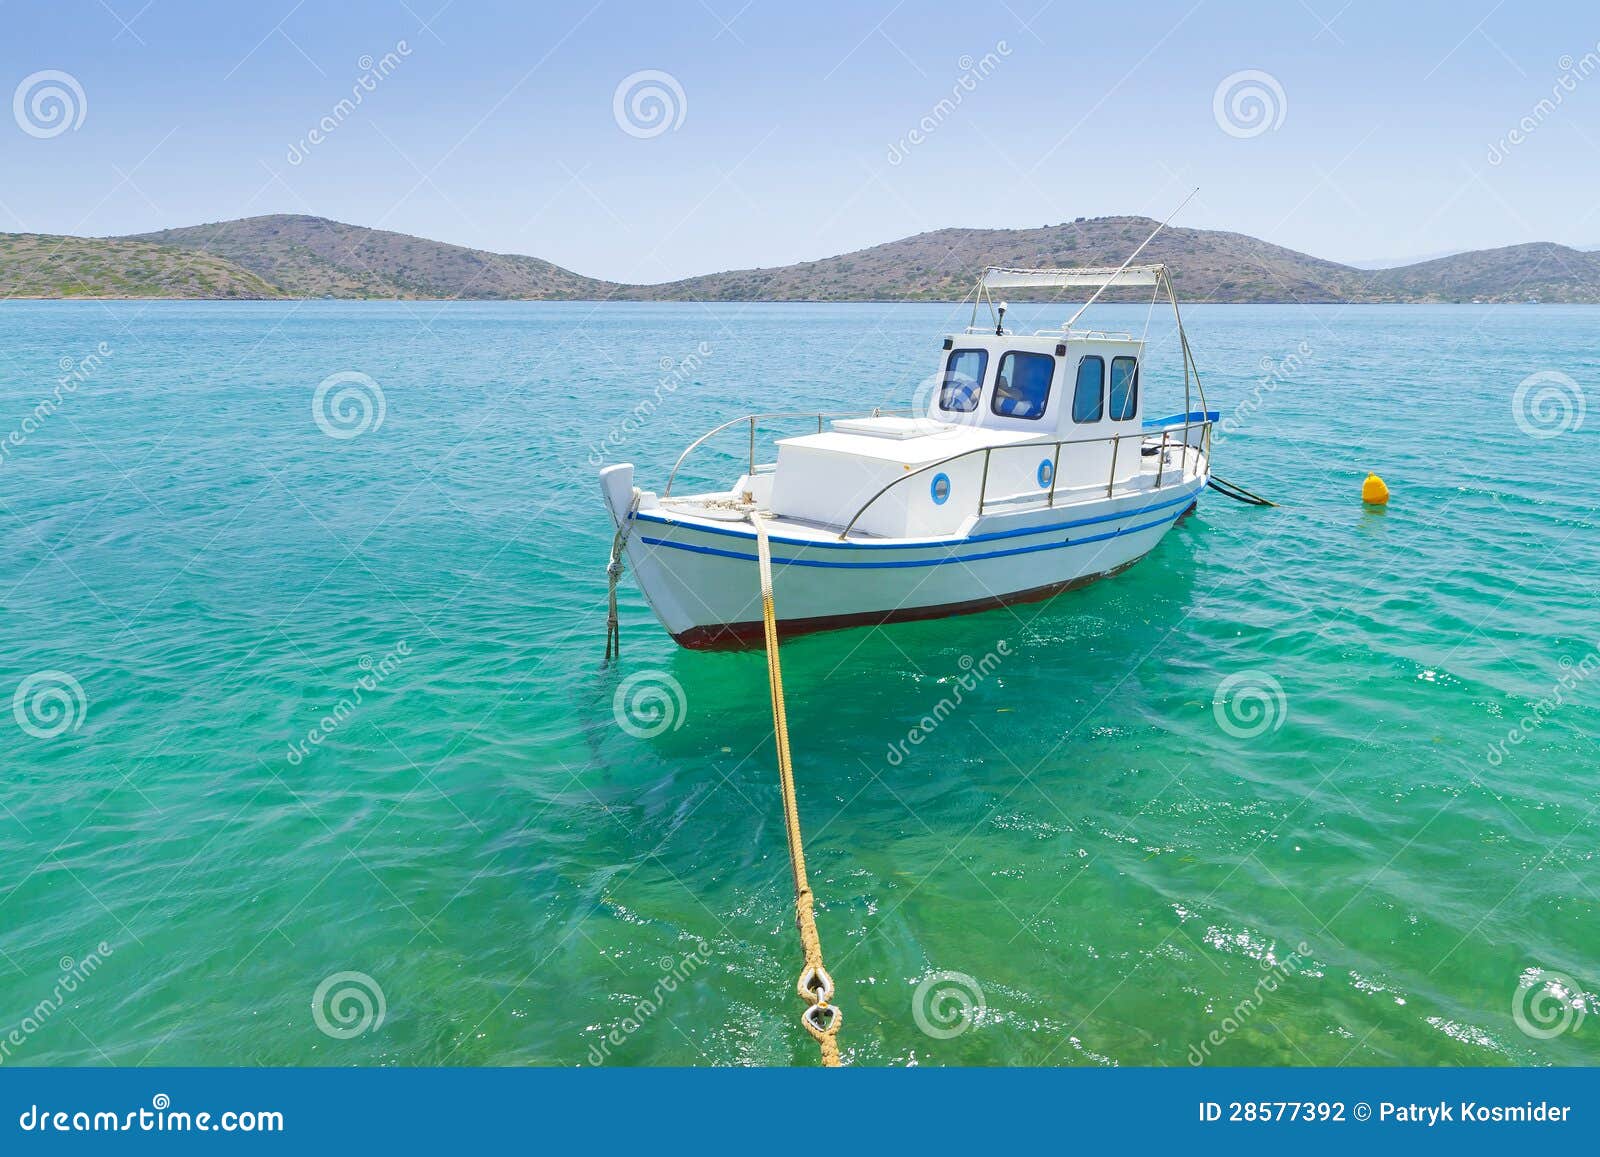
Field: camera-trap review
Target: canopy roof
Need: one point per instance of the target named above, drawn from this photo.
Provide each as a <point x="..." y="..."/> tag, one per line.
<point x="997" y="278"/>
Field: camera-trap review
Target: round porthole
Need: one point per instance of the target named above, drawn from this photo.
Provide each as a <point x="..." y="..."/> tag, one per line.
<point x="1047" y="471"/>
<point x="940" y="489"/>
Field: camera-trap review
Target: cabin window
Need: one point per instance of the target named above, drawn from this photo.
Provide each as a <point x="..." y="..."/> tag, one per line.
<point x="963" y="380"/>
<point x="1022" y="385"/>
<point x="1088" y="398"/>
<point x="1124" y="388"/>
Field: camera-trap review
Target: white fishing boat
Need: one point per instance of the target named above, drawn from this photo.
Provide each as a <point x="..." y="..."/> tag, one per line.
<point x="1028" y="469"/>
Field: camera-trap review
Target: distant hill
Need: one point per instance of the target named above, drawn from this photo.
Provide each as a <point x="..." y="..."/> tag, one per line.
<point x="40" y="265"/>
<point x="287" y="255"/>
<point x="943" y="265"/>
<point x="315" y="257"/>
<point x="1539" y="271"/>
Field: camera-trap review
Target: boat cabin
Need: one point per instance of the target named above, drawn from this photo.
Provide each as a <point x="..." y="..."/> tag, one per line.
<point x="1076" y="387"/>
<point x="1014" y="394"/>
<point x="1008" y="422"/>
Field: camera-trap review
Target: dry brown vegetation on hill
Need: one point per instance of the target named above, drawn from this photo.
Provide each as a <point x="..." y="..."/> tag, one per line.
<point x="301" y="256"/>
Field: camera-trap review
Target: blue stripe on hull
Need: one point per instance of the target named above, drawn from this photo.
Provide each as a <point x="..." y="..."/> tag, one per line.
<point x="992" y="536"/>
<point x="901" y="563"/>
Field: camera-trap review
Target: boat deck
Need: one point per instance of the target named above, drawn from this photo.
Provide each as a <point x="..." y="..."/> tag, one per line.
<point x="1171" y="469"/>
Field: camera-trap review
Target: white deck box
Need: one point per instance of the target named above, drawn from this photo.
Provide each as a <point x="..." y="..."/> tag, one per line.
<point x="825" y="478"/>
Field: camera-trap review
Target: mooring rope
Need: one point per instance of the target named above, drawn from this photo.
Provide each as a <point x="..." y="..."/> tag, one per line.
<point x="822" y="1019"/>
<point x="1236" y="492"/>
<point x="614" y="571"/>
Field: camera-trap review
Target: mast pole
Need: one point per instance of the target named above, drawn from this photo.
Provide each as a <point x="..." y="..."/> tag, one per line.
<point x="1129" y="261"/>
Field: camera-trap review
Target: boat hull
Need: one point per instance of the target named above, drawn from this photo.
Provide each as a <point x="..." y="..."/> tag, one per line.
<point x="702" y="581"/>
<point x="743" y="636"/>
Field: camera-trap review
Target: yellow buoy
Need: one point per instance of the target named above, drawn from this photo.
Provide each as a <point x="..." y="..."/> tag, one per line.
<point x="1374" y="491"/>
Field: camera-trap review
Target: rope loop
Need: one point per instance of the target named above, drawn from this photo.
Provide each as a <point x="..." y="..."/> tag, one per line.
<point x="816" y="985"/>
<point x="822" y="1021"/>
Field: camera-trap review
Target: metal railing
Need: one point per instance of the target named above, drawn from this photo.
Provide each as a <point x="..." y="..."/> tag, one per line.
<point x="752" y="419"/>
<point x="1055" y="463"/>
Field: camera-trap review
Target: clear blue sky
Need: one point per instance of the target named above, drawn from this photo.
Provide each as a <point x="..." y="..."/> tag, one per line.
<point x="496" y="128"/>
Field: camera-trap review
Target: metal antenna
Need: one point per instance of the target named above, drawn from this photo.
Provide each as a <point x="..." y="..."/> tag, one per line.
<point x="1129" y="261"/>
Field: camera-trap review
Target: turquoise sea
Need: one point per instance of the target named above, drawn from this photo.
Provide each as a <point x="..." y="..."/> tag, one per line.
<point x="304" y="729"/>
